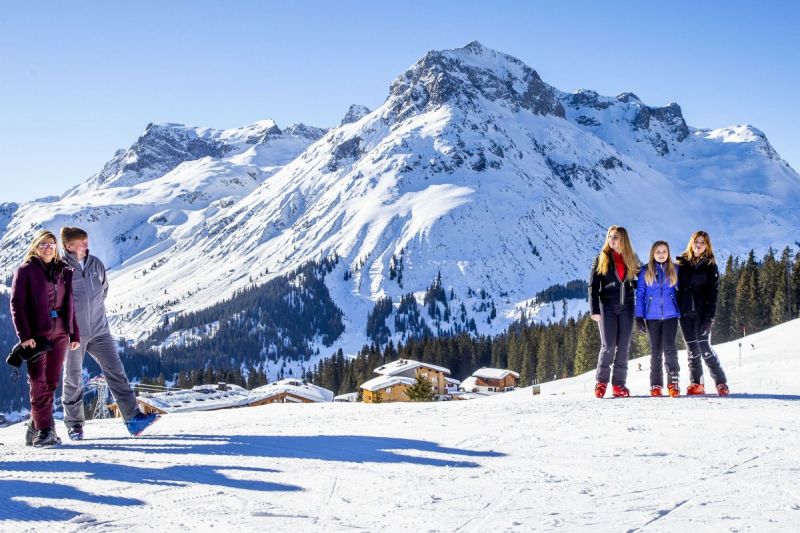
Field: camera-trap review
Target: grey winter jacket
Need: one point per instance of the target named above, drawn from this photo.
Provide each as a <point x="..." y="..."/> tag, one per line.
<point x="89" y="290"/>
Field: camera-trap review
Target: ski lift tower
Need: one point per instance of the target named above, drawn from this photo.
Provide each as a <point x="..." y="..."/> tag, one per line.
<point x="100" y="408"/>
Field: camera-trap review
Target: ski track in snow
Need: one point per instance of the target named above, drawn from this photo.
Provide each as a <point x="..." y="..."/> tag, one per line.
<point x="560" y="461"/>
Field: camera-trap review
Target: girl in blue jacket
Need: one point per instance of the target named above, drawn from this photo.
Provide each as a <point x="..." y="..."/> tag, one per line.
<point x="657" y="315"/>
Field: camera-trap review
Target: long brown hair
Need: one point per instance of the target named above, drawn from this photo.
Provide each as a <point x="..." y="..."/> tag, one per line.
<point x="628" y="255"/>
<point x="708" y="255"/>
<point x="669" y="268"/>
<point x="37" y="239"/>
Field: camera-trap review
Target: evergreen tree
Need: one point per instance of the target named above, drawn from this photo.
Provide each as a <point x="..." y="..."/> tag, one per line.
<point x="748" y="306"/>
<point x="588" y="346"/>
<point x="781" y="309"/>
<point x="546" y="359"/>
<point x="421" y="390"/>
<point x="796" y="286"/>
<point x="723" y="321"/>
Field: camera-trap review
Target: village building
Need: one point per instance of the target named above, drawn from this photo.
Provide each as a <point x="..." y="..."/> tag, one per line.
<point x="289" y="391"/>
<point x="394" y="379"/>
<point x="486" y="380"/>
<point x="348" y="397"/>
<point x="198" y="398"/>
<point x="226" y="396"/>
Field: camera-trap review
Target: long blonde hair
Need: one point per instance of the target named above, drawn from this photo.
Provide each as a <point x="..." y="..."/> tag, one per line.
<point x="689" y="255"/>
<point x="669" y="268"/>
<point x="628" y="255"/>
<point x="34" y="246"/>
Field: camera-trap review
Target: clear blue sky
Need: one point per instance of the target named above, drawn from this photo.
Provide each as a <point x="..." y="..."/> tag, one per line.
<point x="79" y="80"/>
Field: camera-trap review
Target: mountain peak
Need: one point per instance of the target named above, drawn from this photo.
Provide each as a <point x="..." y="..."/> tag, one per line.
<point x="303" y="130"/>
<point x="463" y="77"/>
<point x="354" y="114"/>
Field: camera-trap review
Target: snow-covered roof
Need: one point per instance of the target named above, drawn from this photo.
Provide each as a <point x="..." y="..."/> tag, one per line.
<point x="199" y="398"/>
<point x="403" y="365"/>
<point x="382" y="382"/>
<point x="494" y="373"/>
<point x="348" y="397"/>
<point x="452" y="381"/>
<point x="303" y="389"/>
<point x="469" y="383"/>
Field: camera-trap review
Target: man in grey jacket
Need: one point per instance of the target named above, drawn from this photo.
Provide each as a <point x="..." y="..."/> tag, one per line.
<point x="89" y="288"/>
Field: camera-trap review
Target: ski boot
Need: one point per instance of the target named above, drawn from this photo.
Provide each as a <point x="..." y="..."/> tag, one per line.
<point x="600" y="389"/>
<point x="695" y="389"/>
<point x="655" y="390"/>
<point x="75" y="432"/>
<point x="620" y="391"/>
<point x="46" y="437"/>
<point x="674" y="390"/>
<point x="722" y="389"/>
<point x="140" y="422"/>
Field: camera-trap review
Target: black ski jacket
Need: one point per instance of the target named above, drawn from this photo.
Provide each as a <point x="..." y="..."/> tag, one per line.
<point x="609" y="289"/>
<point x="697" y="288"/>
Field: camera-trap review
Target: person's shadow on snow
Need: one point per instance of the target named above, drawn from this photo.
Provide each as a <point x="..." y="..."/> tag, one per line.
<point x="346" y="448"/>
<point x="14" y="491"/>
<point x="12" y="508"/>
<point x="327" y="448"/>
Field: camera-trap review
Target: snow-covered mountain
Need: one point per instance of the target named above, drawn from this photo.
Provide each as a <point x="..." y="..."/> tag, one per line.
<point x="561" y="460"/>
<point x="159" y="190"/>
<point x="473" y="168"/>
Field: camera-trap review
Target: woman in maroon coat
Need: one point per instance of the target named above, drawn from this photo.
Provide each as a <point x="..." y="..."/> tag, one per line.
<point x="41" y="306"/>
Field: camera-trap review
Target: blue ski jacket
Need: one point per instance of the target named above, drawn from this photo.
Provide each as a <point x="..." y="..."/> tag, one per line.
<point x="656" y="301"/>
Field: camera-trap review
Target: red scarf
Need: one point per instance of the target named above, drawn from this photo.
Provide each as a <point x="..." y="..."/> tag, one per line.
<point x="619" y="262"/>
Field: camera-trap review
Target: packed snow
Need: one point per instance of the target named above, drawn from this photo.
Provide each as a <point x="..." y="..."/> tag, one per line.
<point x="561" y="460"/>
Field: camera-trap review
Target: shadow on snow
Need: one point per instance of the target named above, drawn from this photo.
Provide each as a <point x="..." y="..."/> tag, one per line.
<point x="11" y="508"/>
<point x="346" y="448"/>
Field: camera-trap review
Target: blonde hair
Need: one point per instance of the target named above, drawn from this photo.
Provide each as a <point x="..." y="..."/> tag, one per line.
<point x="708" y="255"/>
<point x="669" y="268"/>
<point x="628" y="255"/>
<point x="34" y="246"/>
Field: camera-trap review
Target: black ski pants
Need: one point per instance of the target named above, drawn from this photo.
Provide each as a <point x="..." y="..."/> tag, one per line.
<point x="699" y="349"/>
<point x="616" y="328"/>
<point x="662" y="351"/>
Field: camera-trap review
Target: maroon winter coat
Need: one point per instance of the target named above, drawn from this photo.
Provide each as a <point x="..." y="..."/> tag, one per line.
<point x="31" y="300"/>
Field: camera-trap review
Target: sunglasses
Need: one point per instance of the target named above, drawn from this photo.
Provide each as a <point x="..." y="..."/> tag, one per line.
<point x="50" y="245"/>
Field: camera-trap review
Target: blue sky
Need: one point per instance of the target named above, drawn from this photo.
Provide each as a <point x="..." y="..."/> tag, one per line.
<point x="79" y="80"/>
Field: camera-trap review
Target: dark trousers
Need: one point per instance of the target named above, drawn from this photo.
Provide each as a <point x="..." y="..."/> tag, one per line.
<point x="699" y="349"/>
<point x="616" y="328"/>
<point x="662" y="351"/>
<point x="43" y="376"/>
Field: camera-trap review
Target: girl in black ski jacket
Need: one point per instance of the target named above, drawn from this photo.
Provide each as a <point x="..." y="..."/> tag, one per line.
<point x="698" y="281"/>
<point x="612" y="294"/>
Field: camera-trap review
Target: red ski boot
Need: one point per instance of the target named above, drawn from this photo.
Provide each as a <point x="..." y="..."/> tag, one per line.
<point x="722" y="389"/>
<point x="655" y="390"/>
<point x="600" y="389"/>
<point x="695" y="389"/>
<point x="620" y="391"/>
<point x="674" y="390"/>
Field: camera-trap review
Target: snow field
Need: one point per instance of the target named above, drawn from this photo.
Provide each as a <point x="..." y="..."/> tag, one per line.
<point x="562" y="460"/>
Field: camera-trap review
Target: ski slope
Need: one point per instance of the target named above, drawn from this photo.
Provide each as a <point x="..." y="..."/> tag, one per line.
<point x="560" y="461"/>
